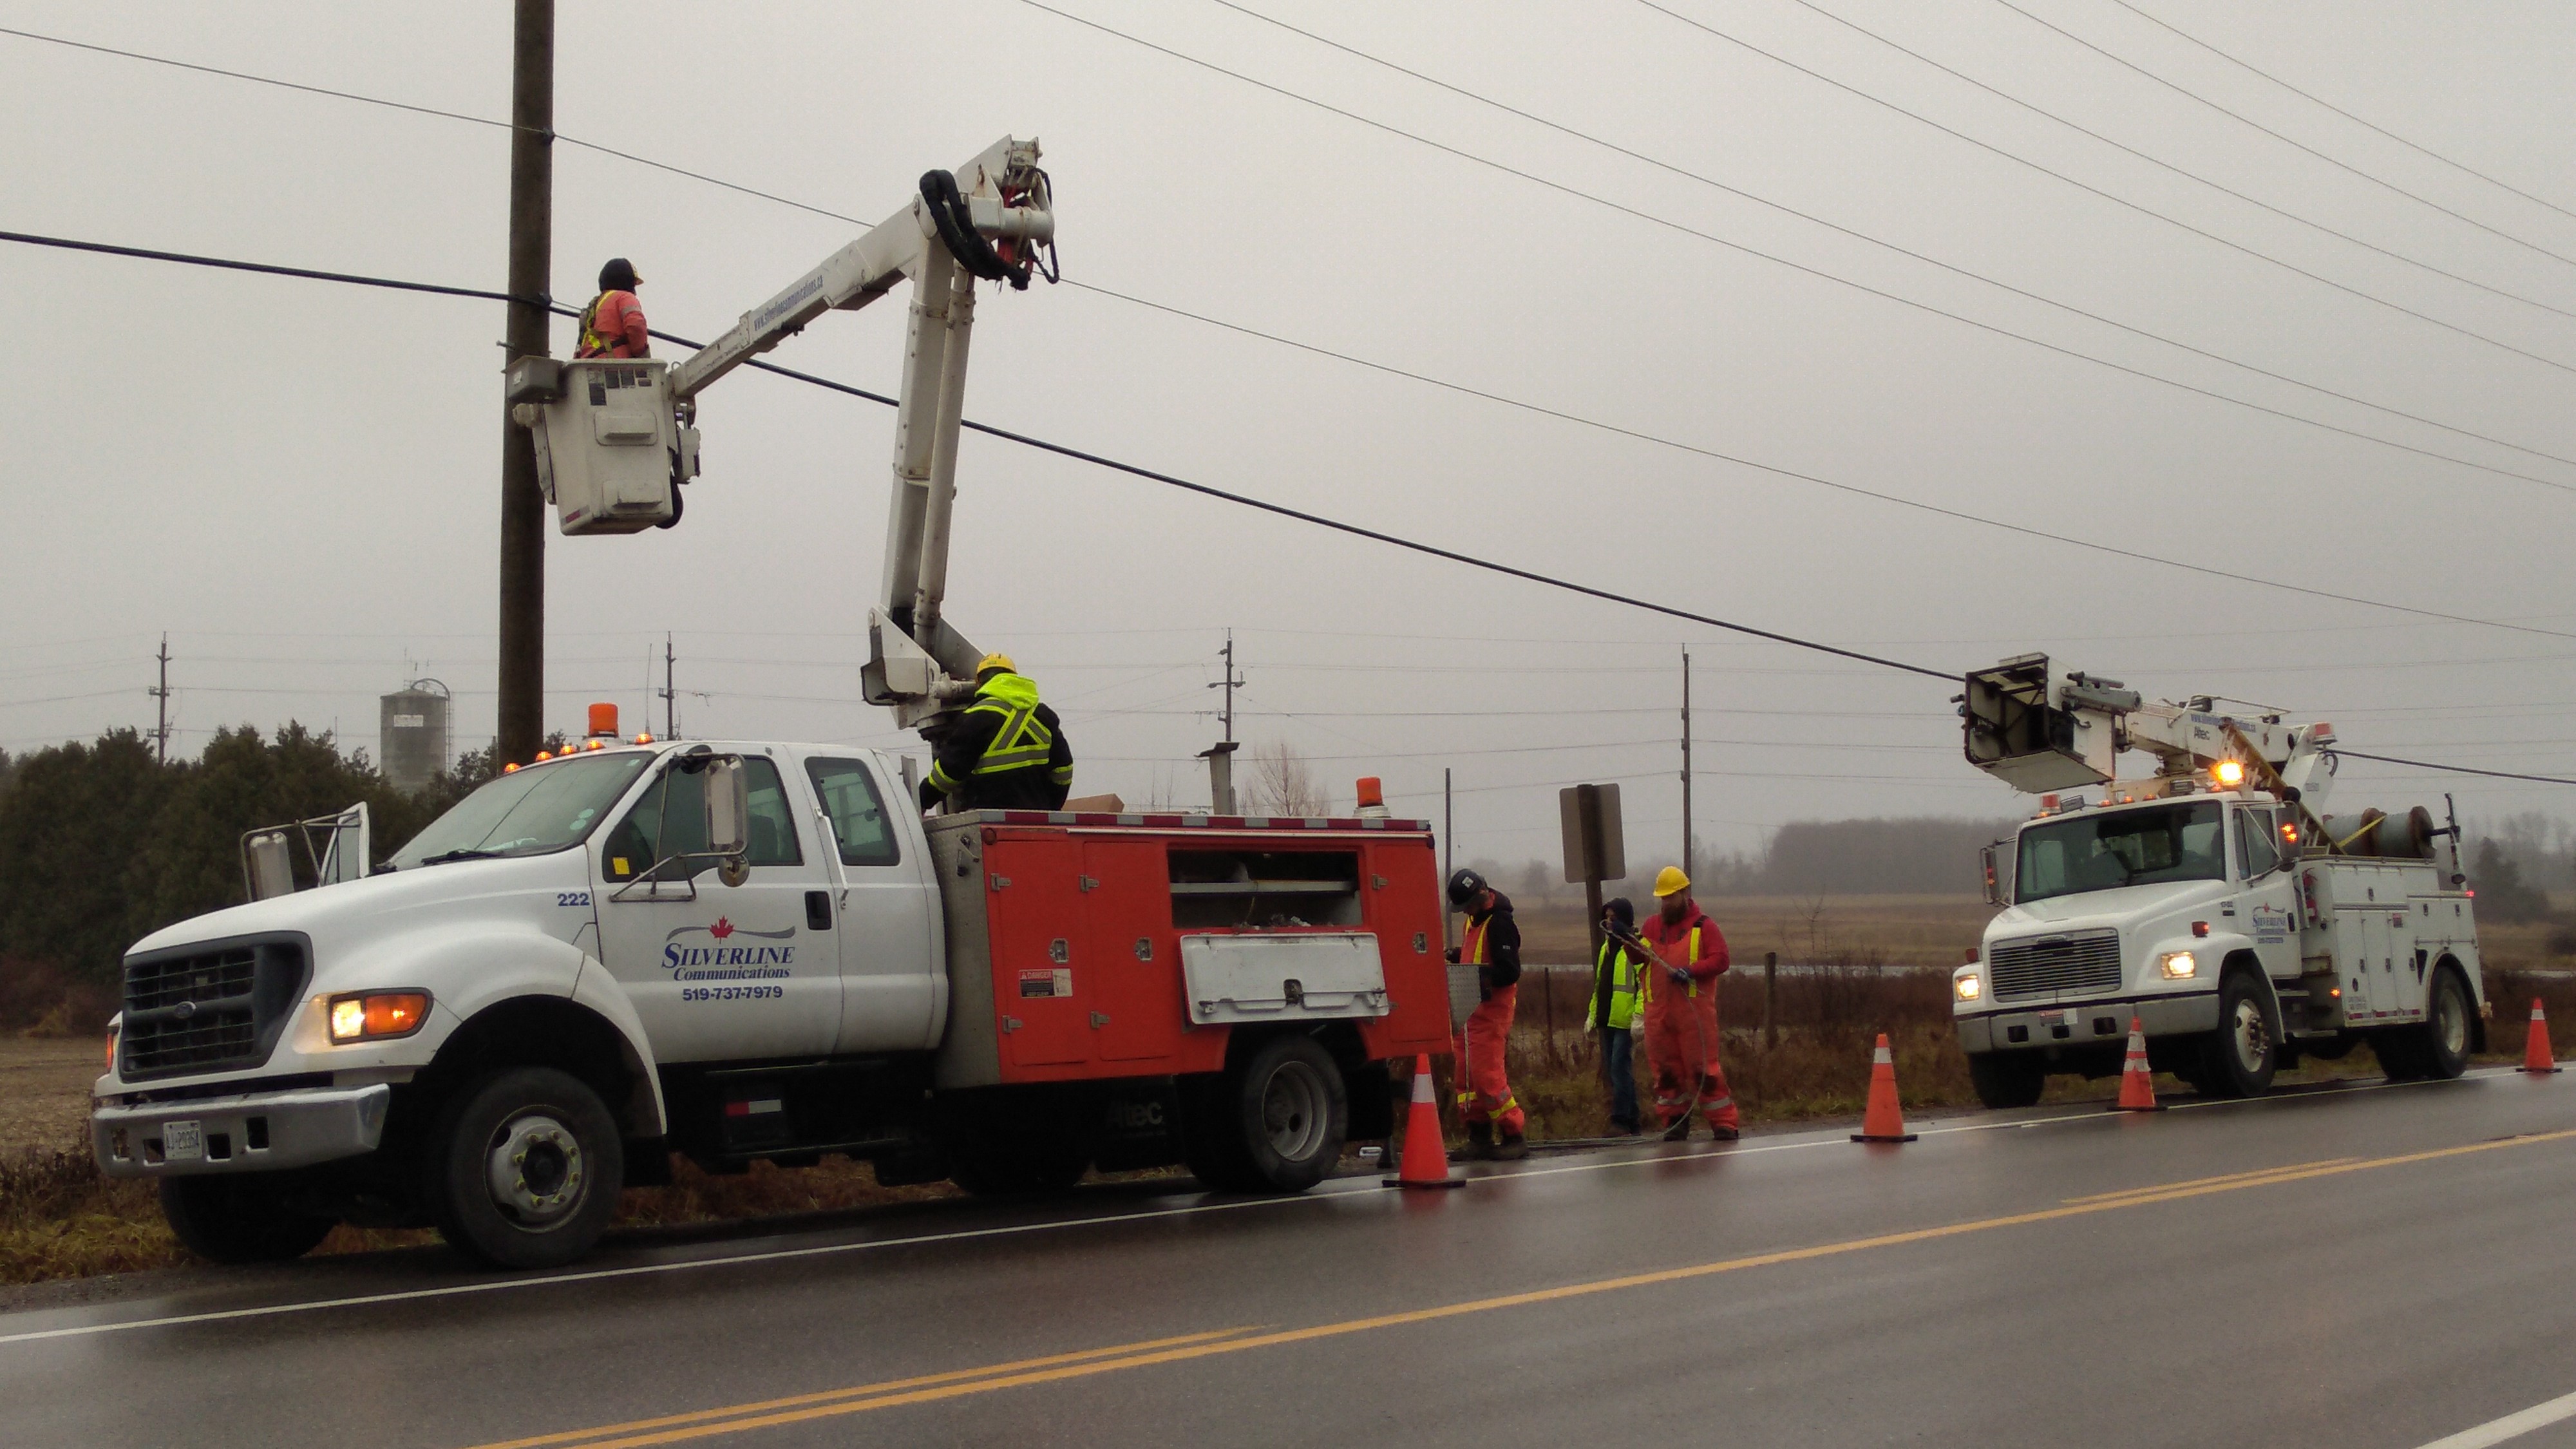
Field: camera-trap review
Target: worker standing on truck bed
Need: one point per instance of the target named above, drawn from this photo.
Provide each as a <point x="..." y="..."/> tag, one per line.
<point x="613" y="324"/>
<point x="1681" y="1012"/>
<point x="1007" y="750"/>
<point x="1612" y="1011"/>
<point x="1493" y="947"/>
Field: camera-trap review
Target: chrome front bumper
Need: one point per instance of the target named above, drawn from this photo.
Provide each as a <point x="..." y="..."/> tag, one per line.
<point x="254" y="1132"/>
<point x="2083" y="1023"/>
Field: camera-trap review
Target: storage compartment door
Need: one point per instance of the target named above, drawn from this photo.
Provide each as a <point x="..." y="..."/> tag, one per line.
<point x="1303" y="977"/>
<point x="1040" y="982"/>
<point x="1133" y="982"/>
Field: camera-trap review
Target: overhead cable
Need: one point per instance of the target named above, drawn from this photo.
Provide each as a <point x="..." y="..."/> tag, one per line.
<point x="2111" y="197"/>
<point x="2192" y="176"/>
<point x="1025" y="440"/>
<point x="1903" y="251"/>
<point x="2316" y="99"/>
<point x="2384" y="184"/>
<point x="2455" y="769"/>
<point x="733" y="186"/>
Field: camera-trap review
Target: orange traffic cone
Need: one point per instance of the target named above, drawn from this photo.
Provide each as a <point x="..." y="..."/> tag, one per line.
<point x="1426" y="1159"/>
<point x="1885" y="1120"/>
<point x="2535" y="1055"/>
<point x="2137" y="1079"/>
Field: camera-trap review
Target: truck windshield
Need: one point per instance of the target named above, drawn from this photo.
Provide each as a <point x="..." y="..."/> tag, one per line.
<point x="538" y="809"/>
<point x="2123" y="848"/>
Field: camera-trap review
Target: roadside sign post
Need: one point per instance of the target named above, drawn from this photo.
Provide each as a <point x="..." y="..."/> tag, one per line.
<point x="1596" y="850"/>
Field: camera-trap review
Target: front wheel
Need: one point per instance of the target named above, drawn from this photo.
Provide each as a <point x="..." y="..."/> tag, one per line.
<point x="525" y="1169"/>
<point x="226" y="1219"/>
<point x="2007" y="1079"/>
<point x="2240" y="1055"/>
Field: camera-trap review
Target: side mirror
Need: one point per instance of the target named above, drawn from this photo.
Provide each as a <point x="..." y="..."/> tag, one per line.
<point x="1994" y="882"/>
<point x="267" y="868"/>
<point x="728" y="819"/>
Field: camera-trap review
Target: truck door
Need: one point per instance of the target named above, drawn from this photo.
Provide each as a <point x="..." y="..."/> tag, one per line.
<point x="892" y="979"/>
<point x="1135" y="985"/>
<point x="2267" y="897"/>
<point x="717" y="972"/>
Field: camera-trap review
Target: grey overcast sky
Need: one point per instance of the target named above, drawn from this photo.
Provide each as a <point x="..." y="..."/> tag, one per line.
<point x="299" y="482"/>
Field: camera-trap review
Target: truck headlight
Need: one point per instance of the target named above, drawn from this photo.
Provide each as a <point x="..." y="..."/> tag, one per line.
<point x="2178" y="965"/>
<point x="1967" y="984"/>
<point x="378" y="1015"/>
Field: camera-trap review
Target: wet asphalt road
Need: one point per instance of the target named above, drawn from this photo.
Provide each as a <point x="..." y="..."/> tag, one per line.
<point x="2361" y="1268"/>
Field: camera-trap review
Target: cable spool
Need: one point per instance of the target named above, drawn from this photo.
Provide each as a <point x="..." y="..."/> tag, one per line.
<point x="2375" y="832"/>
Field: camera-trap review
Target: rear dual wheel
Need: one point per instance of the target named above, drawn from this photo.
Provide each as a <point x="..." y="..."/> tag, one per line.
<point x="1274" y="1124"/>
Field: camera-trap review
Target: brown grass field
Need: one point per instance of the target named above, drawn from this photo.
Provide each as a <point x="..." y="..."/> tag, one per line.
<point x="60" y="1219"/>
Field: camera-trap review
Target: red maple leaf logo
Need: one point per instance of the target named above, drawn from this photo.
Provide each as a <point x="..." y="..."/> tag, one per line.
<point x="721" y="929"/>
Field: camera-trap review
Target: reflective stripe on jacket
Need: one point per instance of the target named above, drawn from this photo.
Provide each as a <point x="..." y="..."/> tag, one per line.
<point x="613" y="326"/>
<point x="1021" y="737"/>
<point x="1614" y="962"/>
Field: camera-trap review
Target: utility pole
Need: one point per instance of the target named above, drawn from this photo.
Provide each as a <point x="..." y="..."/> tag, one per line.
<point x="1448" y="852"/>
<point x="1689" y="866"/>
<point x="670" y="704"/>
<point x="1220" y="756"/>
<point x="521" y="722"/>
<point x="161" y="696"/>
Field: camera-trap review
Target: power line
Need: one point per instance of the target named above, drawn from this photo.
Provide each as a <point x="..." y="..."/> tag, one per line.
<point x="2116" y="200"/>
<point x="1786" y="210"/>
<point x="2192" y="176"/>
<point x="2456" y="769"/>
<point x="2390" y="186"/>
<point x="2347" y="115"/>
<point x="1215" y="322"/>
<point x="1356" y="530"/>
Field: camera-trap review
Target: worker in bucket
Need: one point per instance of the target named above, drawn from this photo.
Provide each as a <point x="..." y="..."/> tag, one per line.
<point x="613" y="324"/>
<point x="1493" y="946"/>
<point x="1612" y="1011"/>
<point x="1006" y="751"/>
<point x="1687" y="954"/>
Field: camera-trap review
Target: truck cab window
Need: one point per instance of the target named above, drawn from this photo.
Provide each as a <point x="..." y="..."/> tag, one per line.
<point x="2095" y="852"/>
<point x="858" y="815"/>
<point x="649" y="833"/>
<point x="2255" y="842"/>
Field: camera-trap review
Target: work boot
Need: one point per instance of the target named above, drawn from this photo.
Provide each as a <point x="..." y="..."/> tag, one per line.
<point x="1677" y="1131"/>
<point x="1480" y="1143"/>
<point x="1718" y="1133"/>
<point x="1512" y="1148"/>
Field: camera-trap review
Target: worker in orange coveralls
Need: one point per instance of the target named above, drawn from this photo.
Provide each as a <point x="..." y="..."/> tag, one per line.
<point x="1681" y="1011"/>
<point x="613" y="324"/>
<point x="1493" y="947"/>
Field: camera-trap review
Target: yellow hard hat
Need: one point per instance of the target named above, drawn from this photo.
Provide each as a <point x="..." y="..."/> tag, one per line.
<point x="991" y="662"/>
<point x="1670" y="881"/>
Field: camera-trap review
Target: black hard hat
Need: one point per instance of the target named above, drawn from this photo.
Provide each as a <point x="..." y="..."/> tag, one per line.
<point x="1618" y="906"/>
<point x="619" y="276"/>
<point x="1464" y="887"/>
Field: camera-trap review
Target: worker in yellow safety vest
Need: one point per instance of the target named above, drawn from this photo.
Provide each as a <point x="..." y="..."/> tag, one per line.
<point x="1613" y="1012"/>
<point x="1006" y="751"/>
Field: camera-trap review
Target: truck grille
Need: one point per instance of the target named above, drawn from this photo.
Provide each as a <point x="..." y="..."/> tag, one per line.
<point x="219" y="1006"/>
<point x="2079" y="964"/>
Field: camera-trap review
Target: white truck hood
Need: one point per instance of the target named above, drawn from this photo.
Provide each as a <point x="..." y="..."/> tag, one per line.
<point x="2127" y="909"/>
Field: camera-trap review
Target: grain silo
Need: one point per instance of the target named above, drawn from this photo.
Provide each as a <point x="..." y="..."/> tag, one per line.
<point x="414" y="745"/>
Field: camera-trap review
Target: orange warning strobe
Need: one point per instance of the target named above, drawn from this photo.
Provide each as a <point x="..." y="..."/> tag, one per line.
<point x="1885" y="1120"/>
<point x="2535" y="1054"/>
<point x="1426" y="1159"/>
<point x="2137" y="1079"/>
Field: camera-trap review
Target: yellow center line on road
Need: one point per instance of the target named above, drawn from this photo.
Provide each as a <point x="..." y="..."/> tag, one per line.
<point x="701" y="1416"/>
<point x="2236" y="1177"/>
<point x="963" y="1383"/>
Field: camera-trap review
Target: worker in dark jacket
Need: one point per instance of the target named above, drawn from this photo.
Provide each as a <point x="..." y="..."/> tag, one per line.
<point x="1006" y="751"/>
<point x="1493" y="1115"/>
<point x="1613" y="1011"/>
<point x="613" y="324"/>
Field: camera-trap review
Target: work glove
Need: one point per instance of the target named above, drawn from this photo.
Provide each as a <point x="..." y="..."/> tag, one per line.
<point x="1679" y="976"/>
<point x="1453" y="955"/>
<point x="1637" y="1029"/>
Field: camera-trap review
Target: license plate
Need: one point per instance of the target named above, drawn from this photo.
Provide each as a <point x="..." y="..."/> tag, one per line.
<point x="2058" y="1018"/>
<point x="183" y="1141"/>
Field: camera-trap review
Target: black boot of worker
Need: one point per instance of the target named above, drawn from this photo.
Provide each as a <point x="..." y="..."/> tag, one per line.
<point x="1723" y="1134"/>
<point x="1512" y="1148"/>
<point x="1480" y="1143"/>
<point x="1678" y="1131"/>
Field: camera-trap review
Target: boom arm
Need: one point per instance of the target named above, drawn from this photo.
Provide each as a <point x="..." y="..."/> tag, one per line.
<point x="2036" y="732"/>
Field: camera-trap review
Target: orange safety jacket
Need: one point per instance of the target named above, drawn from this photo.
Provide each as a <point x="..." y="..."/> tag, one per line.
<point x="1702" y="950"/>
<point x="613" y="326"/>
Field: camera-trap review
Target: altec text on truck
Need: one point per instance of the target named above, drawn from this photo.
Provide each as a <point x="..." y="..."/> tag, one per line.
<point x="749" y="950"/>
<point x="2214" y="902"/>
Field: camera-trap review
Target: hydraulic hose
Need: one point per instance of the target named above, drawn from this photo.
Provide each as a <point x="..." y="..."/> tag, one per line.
<point x="955" y="221"/>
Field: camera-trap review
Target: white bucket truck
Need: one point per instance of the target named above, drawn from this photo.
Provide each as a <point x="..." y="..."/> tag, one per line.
<point x="2215" y="903"/>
